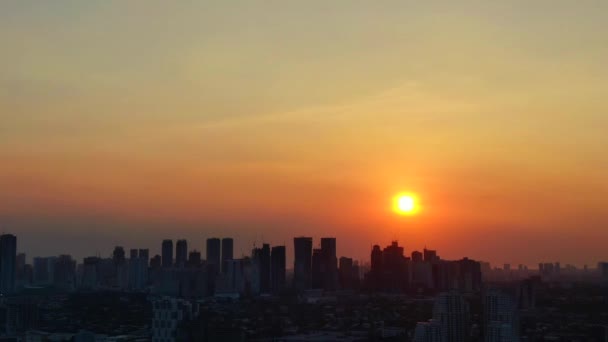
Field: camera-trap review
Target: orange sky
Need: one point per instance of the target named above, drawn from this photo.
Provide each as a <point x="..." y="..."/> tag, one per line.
<point x="130" y="123"/>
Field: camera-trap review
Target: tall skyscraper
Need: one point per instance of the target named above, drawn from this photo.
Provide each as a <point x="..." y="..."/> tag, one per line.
<point x="145" y="255"/>
<point x="316" y="269"/>
<point x="118" y="255"/>
<point x="8" y="256"/>
<point x="329" y="263"/>
<point x="156" y="262"/>
<point x="261" y="257"/>
<point x="389" y="270"/>
<point x="213" y="254"/>
<point x="416" y="256"/>
<point x="167" y="253"/>
<point x="277" y="268"/>
<point x="227" y="251"/>
<point x="346" y="273"/>
<point x="133" y="253"/>
<point x="302" y="263"/>
<point x="430" y="255"/>
<point x="194" y="259"/>
<point x="451" y="311"/>
<point x="181" y="253"/>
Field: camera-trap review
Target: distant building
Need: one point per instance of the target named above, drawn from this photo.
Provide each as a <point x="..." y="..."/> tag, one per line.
<point x="214" y="254"/>
<point x="194" y="259"/>
<point x="526" y="293"/>
<point x="430" y="255"/>
<point x="302" y="263"/>
<point x="181" y="253"/>
<point x="416" y="256"/>
<point x="316" y="269"/>
<point x="329" y="264"/>
<point x="90" y="273"/>
<point x="261" y="257"/>
<point x="118" y="255"/>
<point x="64" y="273"/>
<point x="227" y="250"/>
<point x="138" y="272"/>
<point x="8" y="256"/>
<point x="345" y="273"/>
<point x="389" y="270"/>
<point x="278" y="266"/>
<point x="156" y="262"/>
<point x="167" y="253"/>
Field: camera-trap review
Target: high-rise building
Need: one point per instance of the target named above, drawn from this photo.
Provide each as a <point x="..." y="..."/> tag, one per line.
<point x="430" y="255"/>
<point x="145" y="255"/>
<point x="64" y="273"/>
<point x="389" y="270"/>
<point x="181" y="253"/>
<point x="278" y="265"/>
<point x="302" y="263"/>
<point x="214" y="254"/>
<point x="133" y="253"/>
<point x="138" y="273"/>
<point x="8" y="256"/>
<point x="194" y="259"/>
<point x="451" y="311"/>
<point x="21" y="278"/>
<point x="227" y="251"/>
<point x="167" y="253"/>
<point x="261" y="257"/>
<point x="156" y="262"/>
<point x="90" y="273"/>
<point x="346" y="273"/>
<point x="118" y="255"/>
<point x="317" y="269"/>
<point x="500" y="317"/>
<point x="416" y="256"/>
<point x="329" y="263"/>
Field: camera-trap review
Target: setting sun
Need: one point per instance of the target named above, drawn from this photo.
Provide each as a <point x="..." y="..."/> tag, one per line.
<point x="405" y="204"/>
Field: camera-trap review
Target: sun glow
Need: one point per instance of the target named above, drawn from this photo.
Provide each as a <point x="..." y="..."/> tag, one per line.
<point x="405" y="204"/>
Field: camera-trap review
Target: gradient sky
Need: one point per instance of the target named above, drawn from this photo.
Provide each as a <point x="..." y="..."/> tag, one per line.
<point x="126" y="122"/>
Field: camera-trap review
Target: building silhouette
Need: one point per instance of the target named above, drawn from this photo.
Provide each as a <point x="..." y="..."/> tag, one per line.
<point x="261" y="257"/>
<point x="194" y="259"/>
<point x="8" y="260"/>
<point x="144" y="254"/>
<point x="167" y="253"/>
<point x="278" y="266"/>
<point x="302" y="263"/>
<point x="317" y="269"/>
<point x="214" y="254"/>
<point x="329" y="264"/>
<point x="181" y="253"/>
<point x="227" y="251"/>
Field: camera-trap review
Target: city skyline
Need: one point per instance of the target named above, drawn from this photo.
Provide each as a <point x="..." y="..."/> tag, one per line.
<point x="169" y="255"/>
<point x="123" y="123"/>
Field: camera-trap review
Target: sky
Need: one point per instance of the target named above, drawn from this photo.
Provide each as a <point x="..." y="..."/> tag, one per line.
<point x="124" y="123"/>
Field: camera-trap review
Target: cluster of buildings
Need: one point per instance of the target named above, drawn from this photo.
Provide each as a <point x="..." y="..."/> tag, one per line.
<point x="393" y="271"/>
<point x="179" y="279"/>
<point x="452" y="319"/>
